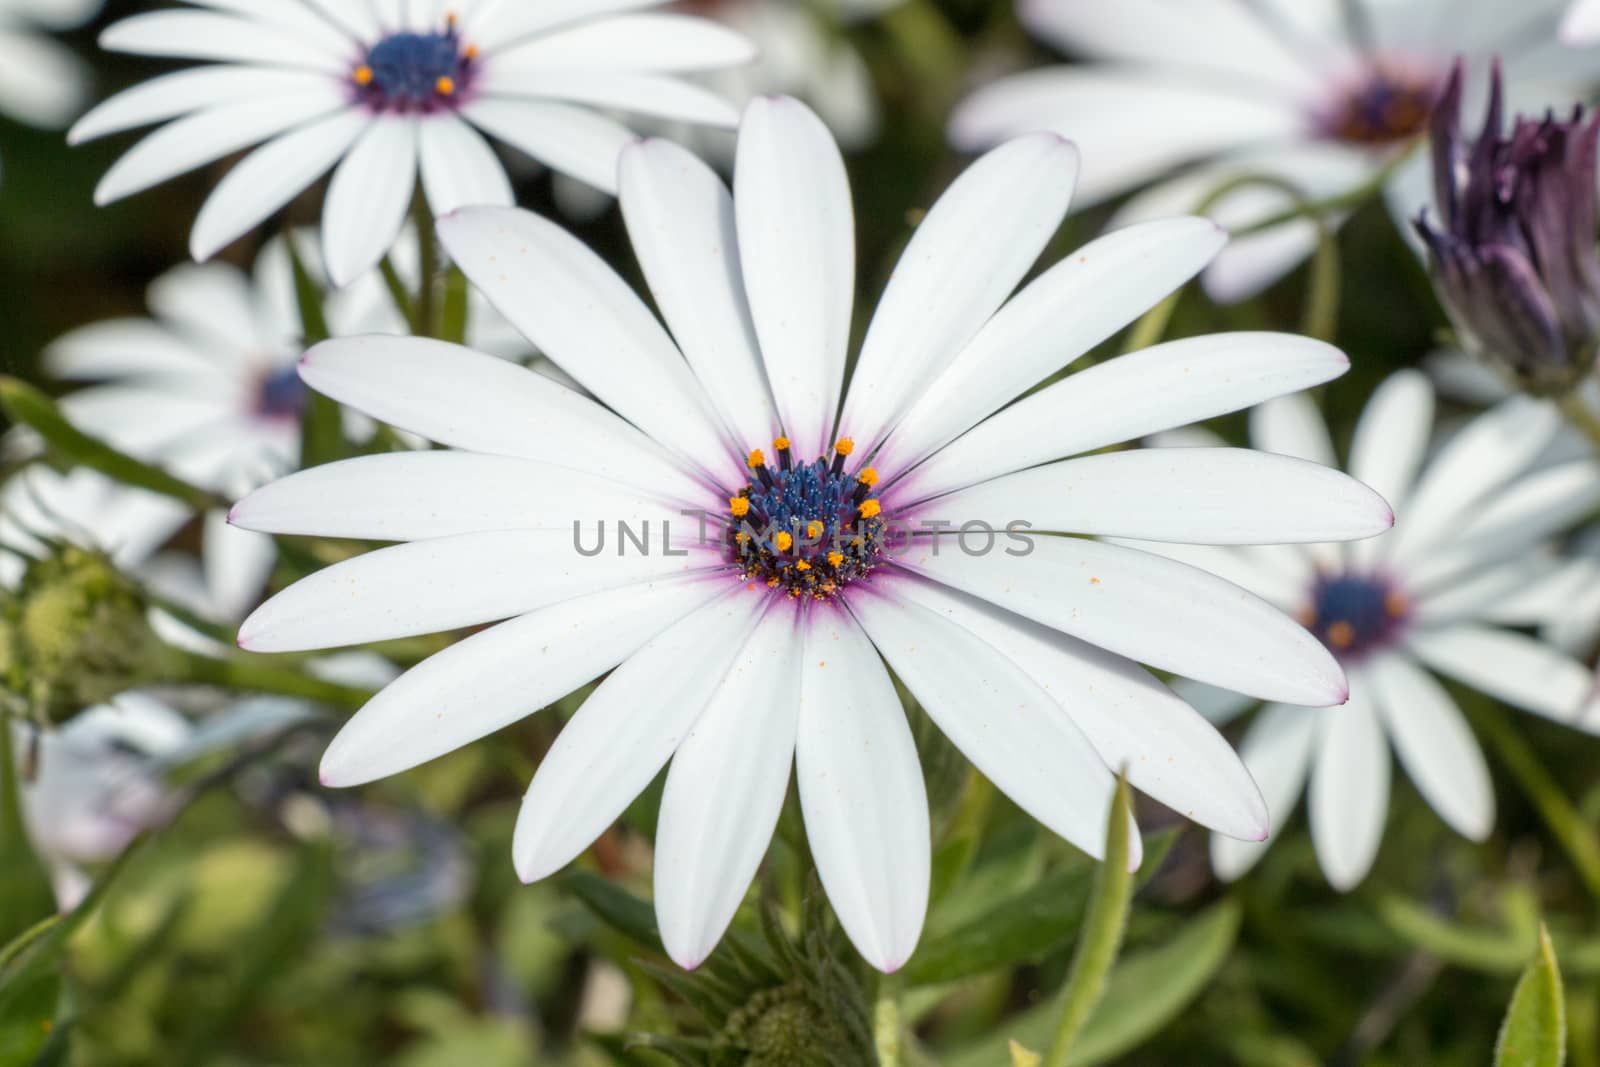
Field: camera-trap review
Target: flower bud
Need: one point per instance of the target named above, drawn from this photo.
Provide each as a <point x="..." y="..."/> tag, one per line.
<point x="1515" y="260"/>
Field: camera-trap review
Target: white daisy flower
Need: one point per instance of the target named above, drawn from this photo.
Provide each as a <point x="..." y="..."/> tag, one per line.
<point x="388" y="89"/>
<point x="42" y="82"/>
<point x="1469" y="558"/>
<point x="1581" y="27"/>
<point x="736" y="648"/>
<point x="1321" y="94"/>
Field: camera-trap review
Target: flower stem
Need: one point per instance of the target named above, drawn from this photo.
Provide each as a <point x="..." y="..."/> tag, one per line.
<point x="258" y="677"/>
<point x="1579" y="416"/>
<point x="1560" y="817"/>
<point x="427" y="317"/>
<point x="886" y="1021"/>
<point x="397" y="292"/>
<point x="1153" y="325"/>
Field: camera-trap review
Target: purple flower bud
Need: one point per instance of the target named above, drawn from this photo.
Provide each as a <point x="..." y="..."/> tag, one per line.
<point x="1515" y="260"/>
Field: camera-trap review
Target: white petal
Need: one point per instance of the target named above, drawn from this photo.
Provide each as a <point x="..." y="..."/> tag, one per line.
<point x="494" y="23"/>
<point x="977" y="242"/>
<point x="1433" y="742"/>
<point x="445" y="584"/>
<point x="571" y="140"/>
<point x="725" y="790"/>
<point x="206" y="136"/>
<point x="1158" y="389"/>
<point x="1390" y="443"/>
<point x="186" y="91"/>
<point x="1076" y="305"/>
<point x="655" y="43"/>
<point x="368" y="198"/>
<point x="680" y="219"/>
<point x="1213" y="496"/>
<point x="211" y="35"/>
<point x="490" y="680"/>
<point x="270" y="177"/>
<point x="1281" y="575"/>
<point x="861" y="791"/>
<point x="1277" y="750"/>
<point x="1491" y="449"/>
<point x="1132" y="720"/>
<point x="1349" y="791"/>
<point x="1014" y="732"/>
<point x="459" y="168"/>
<point x="797" y="244"/>
<point x="1147" y="608"/>
<point x="576" y="310"/>
<point x="237" y="565"/>
<point x="1517" y="669"/>
<point x="657" y="95"/>
<point x="215" y="306"/>
<point x="627" y="731"/>
<point x="465" y="399"/>
<point x="1582" y="24"/>
<point x="121" y="348"/>
<point x="1292" y="426"/>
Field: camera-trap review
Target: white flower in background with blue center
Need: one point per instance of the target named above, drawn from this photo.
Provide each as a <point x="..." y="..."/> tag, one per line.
<point x="1324" y="95"/>
<point x="1470" y="560"/>
<point x="42" y="82"/>
<point x="736" y="651"/>
<point x="390" y="89"/>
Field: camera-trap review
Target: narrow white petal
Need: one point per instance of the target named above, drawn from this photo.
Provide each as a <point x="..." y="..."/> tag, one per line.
<point x="1212" y="496"/>
<point x="1147" y="608"/>
<point x="368" y="198"/>
<point x="492" y="679"/>
<point x="1282" y="575"/>
<point x="1277" y="749"/>
<point x="1523" y="672"/>
<point x="1391" y="442"/>
<point x="1160" y="388"/>
<point x="216" y="36"/>
<point x="576" y="310"/>
<point x="1292" y="425"/>
<point x="1349" y="791"/>
<point x="861" y="791"/>
<point x="975" y="245"/>
<point x="495" y="23"/>
<point x="576" y="142"/>
<point x="681" y="221"/>
<point x="459" y="168"/>
<point x="1581" y="27"/>
<point x="1434" y="743"/>
<point x="412" y="496"/>
<point x="270" y="177"/>
<point x="627" y="731"/>
<point x="654" y="43"/>
<point x="725" y="790"/>
<point x="216" y="307"/>
<point x="123" y="347"/>
<point x="445" y="584"/>
<point x="186" y="91"/>
<point x="464" y="399"/>
<point x="797" y="245"/>
<point x="1076" y="305"/>
<point x="237" y="565"/>
<point x="1133" y="721"/>
<point x="656" y="95"/>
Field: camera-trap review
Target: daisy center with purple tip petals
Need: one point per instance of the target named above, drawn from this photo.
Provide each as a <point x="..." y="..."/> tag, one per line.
<point x="806" y="530"/>
<point x="1384" y="107"/>
<point x="416" y="72"/>
<point x="280" y="394"/>
<point x="1355" y="615"/>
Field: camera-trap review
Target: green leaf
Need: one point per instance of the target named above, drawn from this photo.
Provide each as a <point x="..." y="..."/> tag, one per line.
<point x="321" y="426"/>
<point x="1025" y="926"/>
<point x="1480" y="949"/>
<point x="1023" y="1057"/>
<point x="26" y="405"/>
<point x="1534" y="1033"/>
<point x="616" y="907"/>
<point x="1146" y="992"/>
<point x="1103" y="928"/>
<point x="25" y="893"/>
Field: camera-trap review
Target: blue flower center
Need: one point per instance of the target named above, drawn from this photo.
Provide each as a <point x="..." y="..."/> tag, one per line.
<point x="1356" y="614"/>
<point x="1385" y="108"/>
<point x="280" y="395"/>
<point x="416" y="72"/>
<point x="806" y="530"/>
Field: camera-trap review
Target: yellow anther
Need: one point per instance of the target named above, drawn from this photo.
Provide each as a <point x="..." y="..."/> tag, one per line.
<point x="1341" y="635"/>
<point x="783" y="540"/>
<point x="450" y="20"/>
<point x="813" y="530"/>
<point x="780" y="443"/>
<point x="1396" y="604"/>
<point x="739" y="505"/>
<point x="364" y="75"/>
<point x="758" y="458"/>
<point x="844" y="446"/>
<point x="445" y="86"/>
<point x="835" y="559"/>
<point x="802" y="565"/>
<point x="470" y="52"/>
<point x="772" y="583"/>
<point x="870" y="509"/>
<point x="868" y="477"/>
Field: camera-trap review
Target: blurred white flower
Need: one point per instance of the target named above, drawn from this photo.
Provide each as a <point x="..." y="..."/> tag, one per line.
<point x="388" y="90"/>
<point x="1320" y="94"/>
<point x="41" y="81"/>
<point x="83" y="507"/>
<point x="1581" y="27"/>
<point x="756" y="643"/>
<point x="1470" y="557"/>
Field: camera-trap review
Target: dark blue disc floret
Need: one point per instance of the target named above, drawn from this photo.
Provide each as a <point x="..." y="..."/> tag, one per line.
<point x="280" y="394"/>
<point x="806" y="530"/>
<point x="416" y="72"/>
<point x="1356" y="614"/>
<point x="1385" y="107"/>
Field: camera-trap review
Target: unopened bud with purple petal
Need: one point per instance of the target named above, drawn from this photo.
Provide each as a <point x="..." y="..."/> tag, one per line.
<point x="1515" y="261"/>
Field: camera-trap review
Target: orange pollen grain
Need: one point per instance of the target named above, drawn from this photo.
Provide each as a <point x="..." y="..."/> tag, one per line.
<point x="835" y="558"/>
<point x="740" y="506"/>
<point x="844" y="446"/>
<point x="1341" y="635"/>
<point x="802" y="565"/>
<point x="758" y="458"/>
<point x="783" y="540"/>
<point x="814" y="530"/>
<point x="870" y="509"/>
<point x="446" y="86"/>
<point x="780" y="443"/>
<point x="1396" y="605"/>
<point x="868" y="477"/>
<point x="364" y="75"/>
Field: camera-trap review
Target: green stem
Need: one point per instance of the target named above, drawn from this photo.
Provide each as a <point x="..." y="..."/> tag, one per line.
<point x="1579" y="416"/>
<point x="397" y="292"/>
<point x="427" y="320"/>
<point x="258" y="677"/>
<point x="886" y="1021"/>
<point x="1101" y="937"/>
<point x="453" y="325"/>
<point x="1560" y="817"/>
<point x="1153" y="326"/>
<point x="1324" y="288"/>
